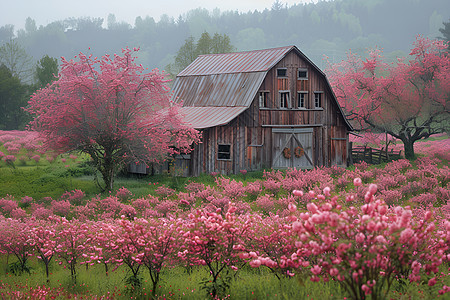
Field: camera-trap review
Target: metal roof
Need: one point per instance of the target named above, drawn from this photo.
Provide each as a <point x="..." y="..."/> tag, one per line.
<point x="206" y="117"/>
<point x="237" y="62"/>
<point x="226" y="90"/>
<point x="217" y="86"/>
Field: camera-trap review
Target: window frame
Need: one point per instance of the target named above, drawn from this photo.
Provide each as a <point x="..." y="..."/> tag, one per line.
<point x="265" y="98"/>
<point x="286" y="101"/>
<point x="223" y="152"/>
<point x="305" y="99"/>
<point x="285" y="75"/>
<point x="302" y="70"/>
<point x="318" y="95"/>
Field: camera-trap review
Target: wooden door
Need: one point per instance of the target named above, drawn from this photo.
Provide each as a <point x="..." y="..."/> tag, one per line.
<point x="292" y="148"/>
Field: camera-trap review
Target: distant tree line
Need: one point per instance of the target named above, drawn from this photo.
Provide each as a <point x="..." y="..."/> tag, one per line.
<point x="325" y="28"/>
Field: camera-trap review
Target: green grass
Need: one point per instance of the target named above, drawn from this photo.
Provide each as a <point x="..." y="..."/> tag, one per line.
<point x="44" y="179"/>
<point x="176" y="283"/>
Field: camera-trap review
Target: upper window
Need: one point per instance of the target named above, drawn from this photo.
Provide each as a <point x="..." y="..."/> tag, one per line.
<point x="302" y="97"/>
<point x="284" y="99"/>
<point x="224" y="151"/>
<point x="263" y="98"/>
<point x="282" y="72"/>
<point x="318" y="99"/>
<point x="302" y="73"/>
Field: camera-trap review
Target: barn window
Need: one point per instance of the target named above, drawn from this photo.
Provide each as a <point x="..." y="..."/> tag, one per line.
<point x="285" y="99"/>
<point x="263" y="98"/>
<point x="318" y="99"/>
<point x="302" y="97"/>
<point x="302" y="73"/>
<point x="282" y="72"/>
<point x="224" y="152"/>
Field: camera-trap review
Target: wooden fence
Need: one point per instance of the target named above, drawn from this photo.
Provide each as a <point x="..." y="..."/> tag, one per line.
<point x="372" y="155"/>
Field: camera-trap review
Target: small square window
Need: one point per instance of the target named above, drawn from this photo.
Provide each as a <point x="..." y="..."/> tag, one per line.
<point x="282" y="72"/>
<point x="285" y="99"/>
<point x="263" y="98"/>
<point x="224" y="152"/>
<point x="302" y="73"/>
<point x="302" y="98"/>
<point x="317" y="100"/>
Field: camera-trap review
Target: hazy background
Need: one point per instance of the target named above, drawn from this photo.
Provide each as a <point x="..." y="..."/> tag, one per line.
<point x="62" y="28"/>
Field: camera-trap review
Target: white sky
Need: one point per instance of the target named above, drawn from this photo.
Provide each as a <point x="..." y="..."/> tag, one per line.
<point x="46" y="11"/>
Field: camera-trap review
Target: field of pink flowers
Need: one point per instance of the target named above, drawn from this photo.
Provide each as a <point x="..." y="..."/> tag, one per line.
<point x="365" y="228"/>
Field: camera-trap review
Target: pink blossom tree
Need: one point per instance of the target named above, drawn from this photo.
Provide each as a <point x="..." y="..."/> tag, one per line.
<point x="112" y="110"/>
<point x="44" y="241"/>
<point x="215" y="241"/>
<point x="71" y="243"/>
<point x="408" y="100"/>
<point x="151" y="242"/>
<point x="15" y="240"/>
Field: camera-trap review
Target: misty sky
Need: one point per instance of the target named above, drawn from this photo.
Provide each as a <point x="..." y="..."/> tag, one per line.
<point x="46" y="11"/>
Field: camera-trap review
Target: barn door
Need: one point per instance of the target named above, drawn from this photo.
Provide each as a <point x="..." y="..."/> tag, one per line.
<point x="292" y="148"/>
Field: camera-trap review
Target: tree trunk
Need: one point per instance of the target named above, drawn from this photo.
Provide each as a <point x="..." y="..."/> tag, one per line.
<point x="409" y="149"/>
<point x="108" y="175"/>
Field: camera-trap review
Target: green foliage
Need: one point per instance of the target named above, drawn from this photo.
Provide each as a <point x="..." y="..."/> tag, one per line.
<point x="189" y="51"/>
<point x="46" y="71"/>
<point x="18" y="268"/>
<point x="12" y="98"/>
<point x="45" y="181"/>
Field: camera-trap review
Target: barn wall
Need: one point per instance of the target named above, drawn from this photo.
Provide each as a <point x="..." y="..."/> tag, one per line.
<point x="250" y="134"/>
<point x="327" y="121"/>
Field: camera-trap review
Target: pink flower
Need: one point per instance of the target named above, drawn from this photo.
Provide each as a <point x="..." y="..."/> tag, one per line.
<point x="297" y="193"/>
<point x="311" y="207"/>
<point x="373" y="188"/>
<point x="255" y="263"/>
<point x="432" y="281"/>
<point x="334" y="271"/>
<point x="292" y="207"/>
<point x="316" y="270"/>
<point x="367" y="290"/>
<point x="357" y="181"/>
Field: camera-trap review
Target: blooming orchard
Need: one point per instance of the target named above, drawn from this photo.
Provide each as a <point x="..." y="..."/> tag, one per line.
<point x="347" y="225"/>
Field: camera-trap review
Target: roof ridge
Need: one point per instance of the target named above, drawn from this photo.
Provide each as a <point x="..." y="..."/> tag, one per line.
<point x="248" y="51"/>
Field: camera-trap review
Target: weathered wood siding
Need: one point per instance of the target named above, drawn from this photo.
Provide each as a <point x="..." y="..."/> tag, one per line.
<point x="251" y="135"/>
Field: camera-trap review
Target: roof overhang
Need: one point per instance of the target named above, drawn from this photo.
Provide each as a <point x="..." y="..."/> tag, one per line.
<point x="206" y="117"/>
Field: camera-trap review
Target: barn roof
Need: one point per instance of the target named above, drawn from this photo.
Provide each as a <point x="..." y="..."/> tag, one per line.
<point x="229" y="80"/>
<point x="205" y="117"/>
<point x="237" y="62"/>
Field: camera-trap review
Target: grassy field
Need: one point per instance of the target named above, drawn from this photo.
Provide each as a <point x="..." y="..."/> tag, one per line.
<point x="178" y="283"/>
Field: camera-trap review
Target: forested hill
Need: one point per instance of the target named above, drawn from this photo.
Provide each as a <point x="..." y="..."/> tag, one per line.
<point x="327" y="28"/>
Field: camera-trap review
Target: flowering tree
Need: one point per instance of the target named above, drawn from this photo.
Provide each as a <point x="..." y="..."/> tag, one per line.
<point x="365" y="248"/>
<point x="71" y="243"/>
<point x="111" y="110"/>
<point x="14" y="240"/>
<point x="43" y="235"/>
<point x="215" y="241"/>
<point x="408" y="100"/>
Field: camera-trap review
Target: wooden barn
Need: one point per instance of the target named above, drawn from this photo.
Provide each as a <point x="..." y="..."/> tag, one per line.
<point x="269" y="108"/>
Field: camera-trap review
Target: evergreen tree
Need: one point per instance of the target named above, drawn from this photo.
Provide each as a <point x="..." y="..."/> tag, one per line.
<point x="205" y="45"/>
<point x="46" y="71"/>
